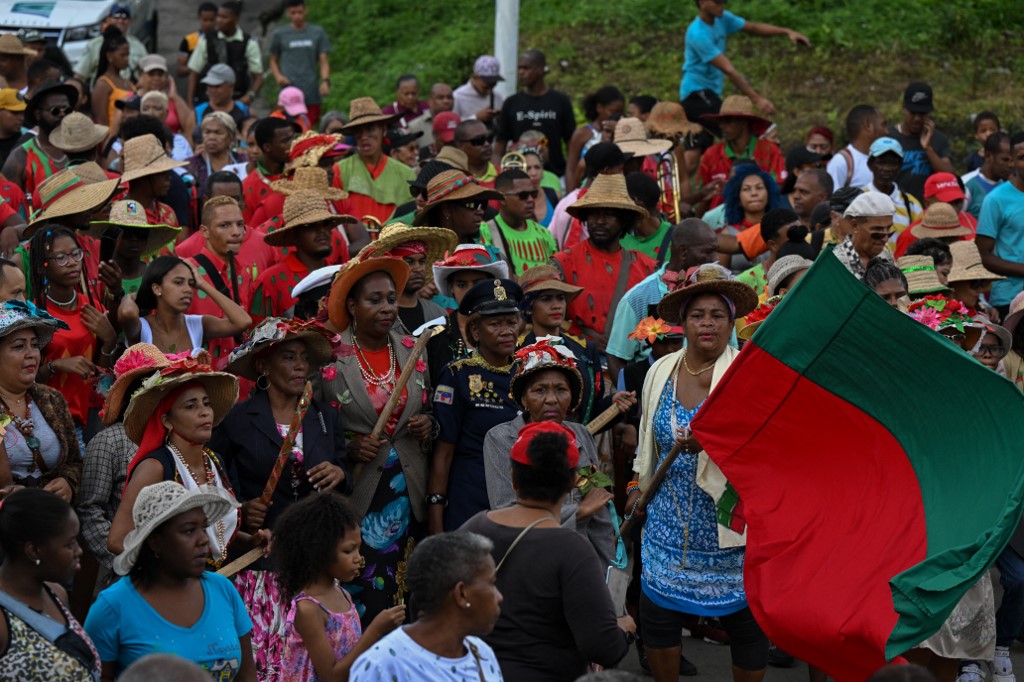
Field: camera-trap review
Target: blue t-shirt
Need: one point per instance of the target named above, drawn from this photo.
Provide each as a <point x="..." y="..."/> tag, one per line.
<point x="1002" y="219"/>
<point x="124" y="628"/>
<point x="704" y="42"/>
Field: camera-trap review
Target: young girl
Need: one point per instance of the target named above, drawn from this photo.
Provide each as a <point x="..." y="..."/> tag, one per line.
<point x="316" y="547"/>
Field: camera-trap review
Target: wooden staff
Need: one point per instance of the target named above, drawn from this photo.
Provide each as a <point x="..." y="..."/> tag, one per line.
<point x="403" y="379"/>
<point x="244" y="561"/>
<point x="659" y="476"/>
<point x="602" y="420"/>
<point x="286" y="445"/>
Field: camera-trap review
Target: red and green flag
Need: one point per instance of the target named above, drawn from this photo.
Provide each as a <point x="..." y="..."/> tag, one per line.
<point x="880" y="470"/>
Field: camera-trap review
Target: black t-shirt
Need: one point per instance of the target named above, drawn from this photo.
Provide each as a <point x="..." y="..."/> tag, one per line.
<point x="916" y="167"/>
<point x="413" y="318"/>
<point x="550" y="113"/>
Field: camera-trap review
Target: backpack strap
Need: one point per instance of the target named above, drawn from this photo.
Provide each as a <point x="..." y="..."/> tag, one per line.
<point x="848" y="157"/>
<point x="215" y="279"/>
<point x="498" y="240"/>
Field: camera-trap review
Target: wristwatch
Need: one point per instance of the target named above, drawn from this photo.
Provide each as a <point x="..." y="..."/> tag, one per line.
<point x="437" y="498"/>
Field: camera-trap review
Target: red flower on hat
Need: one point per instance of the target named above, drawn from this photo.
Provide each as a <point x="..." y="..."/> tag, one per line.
<point x="186" y="362"/>
<point x="132" y="359"/>
<point x="762" y="311"/>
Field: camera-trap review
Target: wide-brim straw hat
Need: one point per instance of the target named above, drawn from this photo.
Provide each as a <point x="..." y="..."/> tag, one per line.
<point x="940" y="221"/>
<point x="756" y="317"/>
<point x="132" y="214"/>
<point x="10" y="44"/>
<point x="631" y="136"/>
<point x="739" y="106"/>
<point x="669" y="118"/>
<point x="364" y="111"/>
<point x="66" y="193"/>
<point x="967" y="265"/>
<point x="140" y="359"/>
<point x="310" y="179"/>
<point x="607" y="191"/>
<point x="710" y="278"/>
<point x="454" y="157"/>
<point x="16" y="315"/>
<point x="303" y="208"/>
<point x="144" y="155"/>
<point x="546" y="278"/>
<point x="922" y="278"/>
<point x="158" y="503"/>
<point x="437" y="240"/>
<point x="273" y="331"/>
<point x="77" y="133"/>
<point x="308" y="148"/>
<point x="352" y="272"/>
<point x="221" y="387"/>
<point x="453" y="185"/>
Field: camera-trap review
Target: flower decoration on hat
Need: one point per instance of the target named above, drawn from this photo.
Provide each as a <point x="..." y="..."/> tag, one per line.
<point x="131" y="360"/>
<point x="651" y="329"/>
<point x="277" y="331"/>
<point x="548" y="350"/>
<point x="761" y="312"/>
<point x="938" y="312"/>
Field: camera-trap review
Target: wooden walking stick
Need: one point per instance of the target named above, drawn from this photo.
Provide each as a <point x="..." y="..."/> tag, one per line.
<point x="659" y="476"/>
<point x="244" y="561"/>
<point x="410" y="366"/>
<point x="602" y="420"/>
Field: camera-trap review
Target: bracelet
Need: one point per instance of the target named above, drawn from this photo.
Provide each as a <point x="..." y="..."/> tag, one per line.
<point x="435" y="429"/>
<point x="110" y="354"/>
<point x="632" y="510"/>
<point x="631" y="486"/>
<point x="437" y="498"/>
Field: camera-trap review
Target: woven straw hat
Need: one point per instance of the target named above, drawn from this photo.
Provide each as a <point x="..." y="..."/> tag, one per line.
<point x="144" y="155"/>
<point x="739" y="106"/>
<point x="132" y="214"/>
<point x="308" y="148"/>
<point x="303" y="208"/>
<point x="756" y="316"/>
<point x="452" y="185"/>
<point x="669" y="118"/>
<point x="941" y="222"/>
<point x="547" y="353"/>
<point x="275" y="330"/>
<point x="310" y="179"/>
<point x="137" y="360"/>
<point x="437" y="240"/>
<point x="607" y="191"/>
<point x="352" y="272"/>
<point x="631" y="136"/>
<point x="159" y="503"/>
<point x="921" y="275"/>
<point x="967" y="265"/>
<point x="363" y="111"/>
<point x="709" y="278"/>
<point x="221" y="387"/>
<point x="65" y="193"/>
<point x="546" y="278"/>
<point x="10" y="44"/>
<point x="16" y="315"/>
<point x="77" y="133"/>
<point x="456" y="158"/>
<point x="1015" y="313"/>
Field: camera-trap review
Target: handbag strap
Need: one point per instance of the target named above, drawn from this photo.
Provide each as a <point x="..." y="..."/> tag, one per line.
<point x="476" y="657"/>
<point x="50" y="629"/>
<point x="520" y="537"/>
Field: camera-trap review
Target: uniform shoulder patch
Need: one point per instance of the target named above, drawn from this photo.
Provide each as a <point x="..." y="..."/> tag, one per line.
<point x="444" y="394"/>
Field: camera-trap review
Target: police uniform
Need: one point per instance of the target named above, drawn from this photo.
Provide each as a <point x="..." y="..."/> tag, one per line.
<point x="471" y="397"/>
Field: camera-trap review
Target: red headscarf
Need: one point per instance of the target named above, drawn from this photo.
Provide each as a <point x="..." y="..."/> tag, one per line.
<point x="155" y="434"/>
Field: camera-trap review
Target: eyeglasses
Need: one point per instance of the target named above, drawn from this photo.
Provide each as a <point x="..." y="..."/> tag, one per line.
<point x="479" y="140"/>
<point x="523" y="196"/>
<point x="59" y="110"/>
<point x="994" y="350"/>
<point x="62" y="259"/>
<point x="471" y="205"/>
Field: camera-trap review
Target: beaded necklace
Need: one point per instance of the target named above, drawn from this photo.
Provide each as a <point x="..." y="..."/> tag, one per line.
<point x="26" y="427"/>
<point x="386" y="380"/>
<point x="210" y="480"/>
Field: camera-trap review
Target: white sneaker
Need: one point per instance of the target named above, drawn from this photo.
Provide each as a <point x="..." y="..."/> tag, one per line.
<point x="970" y="672"/>
<point x="1002" y="668"/>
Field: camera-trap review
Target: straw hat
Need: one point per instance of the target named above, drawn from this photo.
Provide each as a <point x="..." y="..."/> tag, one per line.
<point x="137" y="360"/>
<point x="65" y="193"/>
<point x="16" y="315"/>
<point x="710" y="278"/>
<point x="10" y="44"/>
<point x="453" y="185"/>
<point x="437" y="240"/>
<point x="756" y="316"/>
<point x="363" y="111"/>
<point x="921" y="275"/>
<point x="467" y="257"/>
<point x="739" y="106"/>
<point x="783" y="268"/>
<point x="160" y="502"/>
<point x="547" y="353"/>
<point x="91" y="172"/>
<point x="352" y="272"/>
<point x="144" y="155"/>
<point x="546" y="278"/>
<point x="132" y="214"/>
<point x="275" y="330"/>
<point x="454" y="157"/>
<point x="669" y="118"/>
<point x="77" y="133"/>
<point x="607" y="191"/>
<point x="220" y="386"/>
<point x="631" y="136"/>
<point x="967" y="264"/>
<point x="308" y="178"/>
<point x="941" y="222"/>
<point x="308" y="148"/>
<point x="1015" y="313"/>
<point x="304" y="207"/>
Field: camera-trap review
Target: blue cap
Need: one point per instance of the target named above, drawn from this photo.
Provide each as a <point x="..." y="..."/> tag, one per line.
<point x="884" y="145"/>
<point x="119" y="10"/>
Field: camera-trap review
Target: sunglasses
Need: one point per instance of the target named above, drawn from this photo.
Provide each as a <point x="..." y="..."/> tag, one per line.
<point x="59" y="110"/>
<point x="479" y="140"/>
<point x="472" y="205"/>
<point x="523" y="196"/>
<point x="62" y="259"/>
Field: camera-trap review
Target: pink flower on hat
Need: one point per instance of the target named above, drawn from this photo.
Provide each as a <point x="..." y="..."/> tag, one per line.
<point x="133" y="359"/>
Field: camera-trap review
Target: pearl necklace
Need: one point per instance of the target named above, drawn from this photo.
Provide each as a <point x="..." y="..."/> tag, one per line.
<point x="698" y="372"/>
<point x="210" y="480"/>
<point x="386" y="380"/>
<point x="63" y="304"/>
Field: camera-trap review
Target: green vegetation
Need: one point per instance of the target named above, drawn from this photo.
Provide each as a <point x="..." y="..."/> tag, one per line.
<point x="969" y="50"/>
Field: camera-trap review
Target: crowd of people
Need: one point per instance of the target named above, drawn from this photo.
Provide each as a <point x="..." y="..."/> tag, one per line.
<point x="366" y="395"/>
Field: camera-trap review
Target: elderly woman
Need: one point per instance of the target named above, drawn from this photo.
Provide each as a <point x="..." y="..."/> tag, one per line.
<point x="167" y="600"/>
<point x="471" y="398"/>
<point x="215" y="153"/>
<point x="42" y="450"/>
<point x="39" y="538"/>
<point x="562" y="617"/>
<point x="279" y="356"/>
<point x="700" y="570"/>
<point x="389" y="481"/>
<point x="452" y="576"/>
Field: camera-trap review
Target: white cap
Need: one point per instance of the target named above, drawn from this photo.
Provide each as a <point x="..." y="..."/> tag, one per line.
<point x="870" y="205"/>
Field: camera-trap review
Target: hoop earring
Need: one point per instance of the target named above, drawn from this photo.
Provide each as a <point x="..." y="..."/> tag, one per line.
<point x="167" y="436"/>
<point x="266" y="382"/>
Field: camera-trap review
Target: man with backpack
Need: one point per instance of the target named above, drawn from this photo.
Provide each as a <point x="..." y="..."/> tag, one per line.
<point x="227" y="45"/>
<point x="849" y="166"/>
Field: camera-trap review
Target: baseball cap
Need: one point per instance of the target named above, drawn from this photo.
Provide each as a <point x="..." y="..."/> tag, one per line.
<point x="153" y="62"/>
<point x="219" y="74"/>
<point x="292" y="101"/>
<point x="870" y="205"/>
<point x="488" y="68"/>
<point x="120" y="11"/>
<point x="944" y="187"/>
<point x="444" y="125"/>
<point x="133" y="103"/>
<point x="917" y="98"/>
<point x="884" y="145"/>
<point x="11" y="100"/>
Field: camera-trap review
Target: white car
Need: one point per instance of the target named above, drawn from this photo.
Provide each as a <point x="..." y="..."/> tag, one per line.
<point x="71" y="24"/>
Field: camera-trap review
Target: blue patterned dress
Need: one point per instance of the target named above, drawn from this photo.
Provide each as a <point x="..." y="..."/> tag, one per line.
<point x="711" y="582"/>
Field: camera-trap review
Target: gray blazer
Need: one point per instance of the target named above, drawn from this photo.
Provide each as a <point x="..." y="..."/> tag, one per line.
<point x="498" y="469"/>
<point x="348" y="390"/>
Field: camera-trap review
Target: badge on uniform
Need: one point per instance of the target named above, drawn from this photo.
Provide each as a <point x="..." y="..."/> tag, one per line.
<point x="476" y="383"/>
<point x="444" y="394"/>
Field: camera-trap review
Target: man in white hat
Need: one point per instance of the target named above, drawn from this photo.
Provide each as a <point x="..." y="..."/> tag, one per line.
<point x="476" y="97"/>
<point x="872" y="215"/>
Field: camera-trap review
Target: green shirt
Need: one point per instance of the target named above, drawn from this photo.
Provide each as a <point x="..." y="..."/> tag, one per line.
<point x="551" y="180"/>
<point x="756" y="279"/>
<point x="526" y="248"/>
<point x="650" y="245"/>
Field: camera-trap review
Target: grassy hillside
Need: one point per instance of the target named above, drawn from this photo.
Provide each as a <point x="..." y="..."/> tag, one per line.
<point x="969" y="50"/>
